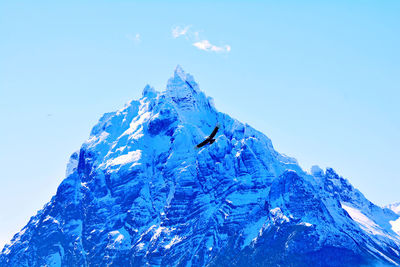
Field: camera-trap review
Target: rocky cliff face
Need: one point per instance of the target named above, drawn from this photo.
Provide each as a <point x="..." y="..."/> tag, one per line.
<point x="139" y="193"/>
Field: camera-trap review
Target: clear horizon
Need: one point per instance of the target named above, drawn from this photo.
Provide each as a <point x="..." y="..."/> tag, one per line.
<point x="321" y="80"/>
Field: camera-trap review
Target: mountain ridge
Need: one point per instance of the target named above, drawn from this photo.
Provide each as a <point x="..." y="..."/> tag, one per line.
<point x="394" y="206"/>
<point x="138" y="193"/>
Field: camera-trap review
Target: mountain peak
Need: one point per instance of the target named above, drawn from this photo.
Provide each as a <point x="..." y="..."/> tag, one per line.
<point x="185" y="92"/>
<point x="179" y="71"/>
<point x="139" y="192"/>
<point x="316" y="171"/>
<point x="182" y="80"/>
<point x="149" y="91"/>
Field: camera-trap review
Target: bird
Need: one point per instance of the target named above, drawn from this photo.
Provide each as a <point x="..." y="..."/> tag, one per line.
<point x="210" y="139"/>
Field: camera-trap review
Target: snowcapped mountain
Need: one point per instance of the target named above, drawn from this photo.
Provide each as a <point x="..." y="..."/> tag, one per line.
<point x="139" y="193"/>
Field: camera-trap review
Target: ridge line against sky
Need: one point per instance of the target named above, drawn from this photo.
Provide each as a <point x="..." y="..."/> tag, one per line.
<point x="321" y="80"/>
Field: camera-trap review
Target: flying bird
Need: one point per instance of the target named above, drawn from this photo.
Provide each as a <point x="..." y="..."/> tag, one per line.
<point x="210" y="139"/>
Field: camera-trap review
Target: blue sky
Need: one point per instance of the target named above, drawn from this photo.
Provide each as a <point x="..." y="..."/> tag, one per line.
<point x="321" y="79"/>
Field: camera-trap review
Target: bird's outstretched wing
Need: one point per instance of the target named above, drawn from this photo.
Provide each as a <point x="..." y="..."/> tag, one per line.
<point x="210" y="138"/>
<point x="214" y="132"/>
<point x="203" y="143"/>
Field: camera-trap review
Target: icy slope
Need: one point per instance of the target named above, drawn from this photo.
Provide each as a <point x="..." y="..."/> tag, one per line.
<point x="138" y="193"/>
<point x="396" y="223"/>
<point x="395" y="207"/>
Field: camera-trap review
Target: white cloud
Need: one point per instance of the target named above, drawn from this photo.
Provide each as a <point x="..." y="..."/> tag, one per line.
<point x="207" y="46"/>
<point x="134" y="38"/>
<point x="180" y="31"/>
<point x="194" y="37"/>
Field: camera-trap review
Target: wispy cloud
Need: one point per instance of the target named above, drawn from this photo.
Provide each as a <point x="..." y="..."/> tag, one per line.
<point x="194" y="38"/>
<point x="134" y="38"/>
<point x="180" y="31"/>
<point x="207" y="46"/>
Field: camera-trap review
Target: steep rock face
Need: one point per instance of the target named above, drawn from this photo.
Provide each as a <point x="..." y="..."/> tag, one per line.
<point x="138" y="193"/>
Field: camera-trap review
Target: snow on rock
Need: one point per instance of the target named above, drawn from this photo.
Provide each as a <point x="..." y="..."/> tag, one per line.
<point x="119" y="239"/>
<point x="72" y="164"/>
<point x="139" y="193"/>
<point x="394" y="207"/>
<point x="366" y="223"/>
<point x="131" y="156"/>
<point x="174" y="241"/>
<point x="396" y="225"/>
<point x="278" y="216"/>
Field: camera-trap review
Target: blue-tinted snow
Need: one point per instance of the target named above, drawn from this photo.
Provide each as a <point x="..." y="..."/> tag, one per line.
<point x="138" y="192"/>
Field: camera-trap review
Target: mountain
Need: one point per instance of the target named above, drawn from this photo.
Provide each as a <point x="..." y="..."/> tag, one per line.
<point x="395" y="207"/>
<point x="395" y="224"/>
<point x="139" y="193"/>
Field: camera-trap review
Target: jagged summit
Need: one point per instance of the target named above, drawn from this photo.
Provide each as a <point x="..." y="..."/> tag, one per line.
<point x="182" y="80"/>
<point x="138" y="193"/>
<point x="317" y="171"/>
<point x="180" y="72"/>
<point x="186" y="94"/>
<point x="149" y="91"/>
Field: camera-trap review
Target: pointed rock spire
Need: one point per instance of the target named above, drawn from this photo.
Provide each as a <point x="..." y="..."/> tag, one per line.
<point x="184" y="91"/>
<point x="182" y="80"/>
<point x="317" y="171"/>
<point x="149" y="91"/>
<point x="180" y="72"/>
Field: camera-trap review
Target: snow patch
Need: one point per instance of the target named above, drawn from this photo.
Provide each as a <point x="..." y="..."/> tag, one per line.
<point x="365" y="223"/>
<point x="49" y="218"/>
<point x="157" y="233"/>
<point x="140" y="246"/>
<point x="394" y="207"/>
<point x="382" y="255"/>
<point x="132" y="156"/>
<point x="396" y="226"/>
<point x="305" y="224"/>
<point x="278" y="216"/>
<point x="174" y="241"/>
<point x="72" y="164"/>
<point x="119" y="239"/>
